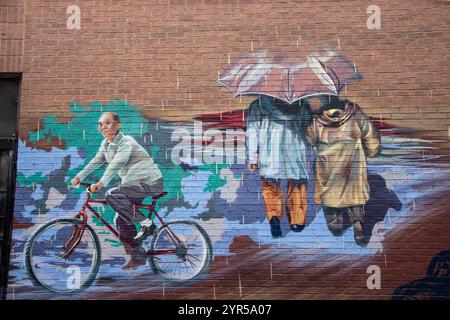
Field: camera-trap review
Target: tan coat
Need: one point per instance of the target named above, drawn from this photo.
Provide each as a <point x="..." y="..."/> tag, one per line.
<point x="342" y="139"/>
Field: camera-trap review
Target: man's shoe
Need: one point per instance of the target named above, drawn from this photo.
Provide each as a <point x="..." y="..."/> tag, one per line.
<point x="358" y="231"/>
<point x="275" y="228"/>
<point x="297" y="227"/>
<point x="133" y="264"/>
<point x="147" y="229"/>
<point x="138" y="258"/>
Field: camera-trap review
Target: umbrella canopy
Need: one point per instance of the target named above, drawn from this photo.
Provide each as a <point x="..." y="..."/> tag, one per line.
<point x="288" y="79"/>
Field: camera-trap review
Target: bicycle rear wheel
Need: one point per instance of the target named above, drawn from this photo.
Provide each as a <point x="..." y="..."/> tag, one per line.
<point x="44" y="260"/>
<point x="192" y="253"/>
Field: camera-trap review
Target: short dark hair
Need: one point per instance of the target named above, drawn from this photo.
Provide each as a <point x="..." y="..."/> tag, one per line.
<point x="115" y="116"/>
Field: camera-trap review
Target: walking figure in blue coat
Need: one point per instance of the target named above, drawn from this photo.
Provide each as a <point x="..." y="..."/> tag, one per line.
<point x="276" y="146"/>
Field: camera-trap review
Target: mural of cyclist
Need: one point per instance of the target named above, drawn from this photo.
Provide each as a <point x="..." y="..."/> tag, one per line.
<point x="140" y="178"/>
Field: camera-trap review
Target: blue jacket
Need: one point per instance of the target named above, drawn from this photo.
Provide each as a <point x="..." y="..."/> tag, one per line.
<point x="275" y="139"/>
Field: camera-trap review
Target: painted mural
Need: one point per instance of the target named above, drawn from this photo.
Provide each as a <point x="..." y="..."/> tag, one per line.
<point x="302" y="168"/>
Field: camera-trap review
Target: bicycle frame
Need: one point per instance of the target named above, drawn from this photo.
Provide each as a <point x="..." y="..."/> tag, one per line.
<point x="76" y="236"/>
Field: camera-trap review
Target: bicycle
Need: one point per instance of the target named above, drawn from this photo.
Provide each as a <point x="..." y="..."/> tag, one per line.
<point x="64" y="254"/>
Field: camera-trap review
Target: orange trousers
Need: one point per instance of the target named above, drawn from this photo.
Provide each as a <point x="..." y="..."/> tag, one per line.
<point x="296" y="201"/>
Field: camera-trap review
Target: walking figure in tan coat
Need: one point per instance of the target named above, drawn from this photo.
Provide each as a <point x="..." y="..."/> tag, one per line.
<point x="343" y="137"/>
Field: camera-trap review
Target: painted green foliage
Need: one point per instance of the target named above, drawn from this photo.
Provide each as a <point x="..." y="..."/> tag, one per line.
<point x="24" y="181"/>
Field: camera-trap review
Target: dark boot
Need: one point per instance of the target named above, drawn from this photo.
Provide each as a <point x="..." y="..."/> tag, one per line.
<point x="358" y="230"/>
<point x="297" y="227"/>
<point x="275" y="228"/>
<point x="138" y="258"/>
<point x="335" y="220"/>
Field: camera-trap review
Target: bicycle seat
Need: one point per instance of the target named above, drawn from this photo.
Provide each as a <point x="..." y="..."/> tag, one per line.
<point x="159" y="196"/>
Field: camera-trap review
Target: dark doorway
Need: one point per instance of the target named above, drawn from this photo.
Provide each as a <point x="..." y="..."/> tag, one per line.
<point x="9" y="102"/>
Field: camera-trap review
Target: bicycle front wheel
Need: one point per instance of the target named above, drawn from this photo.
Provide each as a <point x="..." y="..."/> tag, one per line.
<point x="190" y="251"/>
<point x="46" y="264"/>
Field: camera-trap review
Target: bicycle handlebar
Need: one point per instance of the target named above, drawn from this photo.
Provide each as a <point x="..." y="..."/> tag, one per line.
<point x="84" y="184"/>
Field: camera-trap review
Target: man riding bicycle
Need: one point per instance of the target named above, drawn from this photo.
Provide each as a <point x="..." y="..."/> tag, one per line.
<point x="140" y="178"/>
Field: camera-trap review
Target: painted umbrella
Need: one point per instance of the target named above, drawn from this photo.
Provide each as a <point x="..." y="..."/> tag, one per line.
<point x="288" y="79"/>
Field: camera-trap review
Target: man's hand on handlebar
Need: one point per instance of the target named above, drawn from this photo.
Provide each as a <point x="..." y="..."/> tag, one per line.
<point x="96" y="186"/>
<point x="75" y="181"/>
<point x="92" y="187"/>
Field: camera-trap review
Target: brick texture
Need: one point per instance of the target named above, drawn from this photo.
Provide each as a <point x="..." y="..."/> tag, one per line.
<point x="163" y="58"/>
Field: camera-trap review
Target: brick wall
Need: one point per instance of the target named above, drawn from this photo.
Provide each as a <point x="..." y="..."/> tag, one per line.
<point x="12" y="34"/>
<point x="161" y="60"/>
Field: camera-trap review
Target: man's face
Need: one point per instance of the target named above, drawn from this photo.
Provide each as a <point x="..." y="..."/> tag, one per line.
<point x="107" y="126"/>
